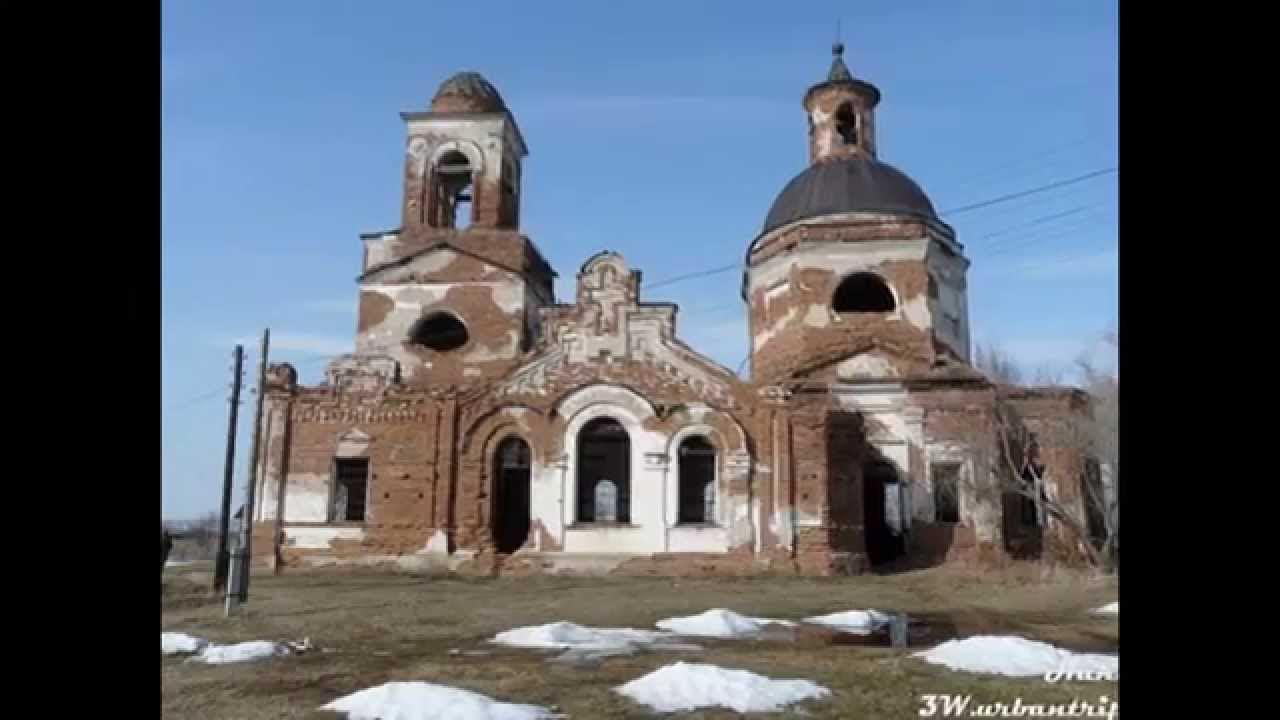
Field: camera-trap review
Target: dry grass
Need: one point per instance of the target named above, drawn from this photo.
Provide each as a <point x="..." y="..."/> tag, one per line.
<point x="383" y="627"/>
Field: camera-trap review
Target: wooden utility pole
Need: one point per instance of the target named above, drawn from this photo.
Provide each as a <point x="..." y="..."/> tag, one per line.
<point x="238" y="590"/>
<point x="223" y="558"/>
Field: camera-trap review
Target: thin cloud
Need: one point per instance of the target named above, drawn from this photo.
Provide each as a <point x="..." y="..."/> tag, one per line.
<point x="1103" y="263"/>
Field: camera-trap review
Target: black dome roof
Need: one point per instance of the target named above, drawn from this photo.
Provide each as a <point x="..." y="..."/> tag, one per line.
<point x="850" y="184"/>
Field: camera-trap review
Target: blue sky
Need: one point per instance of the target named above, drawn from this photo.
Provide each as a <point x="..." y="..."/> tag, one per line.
<point x="662" y="130"/>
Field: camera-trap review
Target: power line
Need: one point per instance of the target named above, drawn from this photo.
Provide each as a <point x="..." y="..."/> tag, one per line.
<point x="1037" y="221"/>
<point x="991" y="218"/>
<point x="966" y="208"/>
<point x="1035" y="161"/>
<point x="1044" y="220"/>
<point x="692" y="275"/>
<point x="1032" y="191"/>
<point x="1057" y="233"/>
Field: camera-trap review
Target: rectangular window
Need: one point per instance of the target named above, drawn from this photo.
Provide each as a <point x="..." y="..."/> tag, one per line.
<point x="946" y="491"/>
<point x="350" y="488"/>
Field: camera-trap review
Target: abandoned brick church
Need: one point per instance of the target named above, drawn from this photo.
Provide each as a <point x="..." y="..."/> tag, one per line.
<point x="482" y="424"/>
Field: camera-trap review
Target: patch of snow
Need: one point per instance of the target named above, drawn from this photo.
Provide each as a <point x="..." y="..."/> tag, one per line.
<point x="861" y="622"/>
<point x="584" y="655"/>
<point x="688" y="686"/>
<point x="718" y="623"/>
<point x="1017" y="657"/>
<point x="428" y="701"/>
<point x="1108" y="609"/>
<point x="241" y="652"/>
<point x="567" y="635"/>
<point x="175" y="643"/>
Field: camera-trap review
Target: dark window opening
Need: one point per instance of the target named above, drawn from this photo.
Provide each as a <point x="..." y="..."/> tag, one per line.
<point x="604" y="472"/>
<point x="451" y="191"/>
<point x="882" y="511"/>
<point x="350" y="488"/>
<point x="946" y="491"/>
<point x="1031" y="481"/>
<point x="697" y="481"/>
<point x="863" y="293"/>
<point x="847" y="124"/>
<point x="512" y="202"/>
<point x="933" y="287"/>
<point x="511" y="495"/>
<point x="441" y="332"/>
<point x="1095" y="502"/>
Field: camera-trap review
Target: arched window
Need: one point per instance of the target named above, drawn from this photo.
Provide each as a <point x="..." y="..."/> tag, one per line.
<point x="697" y="480"/>
<point x="451" y="193"/>
<point x="440" y="331"/>
<point x="863" y="293"/>
<point x="511" y="494"/>
<point x="604" y="472"/>
<point x="847" y="124"/>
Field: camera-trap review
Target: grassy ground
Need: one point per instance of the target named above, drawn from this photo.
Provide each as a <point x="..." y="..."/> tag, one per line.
<point x="383" y="627"/>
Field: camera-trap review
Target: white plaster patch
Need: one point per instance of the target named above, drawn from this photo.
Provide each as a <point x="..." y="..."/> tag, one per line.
<point x="307" y="498"/>
<point x="353" y="443"/>
<point x="412" y="297"/>
<point x="916" y="311"/>
<point x="817" y="316"/>
<point x="804" y="519"/>
<point x="320" y="538"/>
<point x="778" y="325"/>
<point x="509" y="297"/>
<point x="781" y="527"/>
<point x="865" y="365"/>
<point x="438" y="544"/>
<point x="486" y="353"/>
<point x="585" y="397"/>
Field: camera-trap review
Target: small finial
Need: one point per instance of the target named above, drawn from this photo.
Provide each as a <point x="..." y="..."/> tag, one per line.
<point x="839" y="71"/>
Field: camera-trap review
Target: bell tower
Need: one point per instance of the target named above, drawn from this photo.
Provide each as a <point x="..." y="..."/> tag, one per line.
<point x="841" y="113"/>
<point x="464" y="155"/>
<point x="452" y="295"/>
<point x="853" y="276"/>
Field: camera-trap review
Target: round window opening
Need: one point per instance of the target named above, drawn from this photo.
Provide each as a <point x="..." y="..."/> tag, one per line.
<point x="863" y="293"/>
<point x="441" y="332"/>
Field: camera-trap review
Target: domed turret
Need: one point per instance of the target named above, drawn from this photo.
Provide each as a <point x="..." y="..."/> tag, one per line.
<point x="467" y="92"/>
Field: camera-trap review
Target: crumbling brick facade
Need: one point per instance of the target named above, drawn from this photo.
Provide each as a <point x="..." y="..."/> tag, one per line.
<point x="484" y="427"/>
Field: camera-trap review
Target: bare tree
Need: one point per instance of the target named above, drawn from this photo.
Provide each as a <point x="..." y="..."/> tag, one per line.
<point x="997" y="364"/>
<point x="1048" y="374"/>
<point x="1024" y="431"/>
<point x="195" y="539"/>
<point x="1100" y="439"/>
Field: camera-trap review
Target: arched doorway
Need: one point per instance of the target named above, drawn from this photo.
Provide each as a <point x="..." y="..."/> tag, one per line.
<point x="881" y="497"/>
<point x="511" y="495"/>
<point x="604" y="472"/>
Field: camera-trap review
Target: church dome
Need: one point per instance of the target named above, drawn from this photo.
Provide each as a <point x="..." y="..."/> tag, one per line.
<point x="849" y="184"/>
<point x="467" y="92"/>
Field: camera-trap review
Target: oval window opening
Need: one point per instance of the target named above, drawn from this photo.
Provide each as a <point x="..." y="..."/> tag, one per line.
<point x="441" y="332"/>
